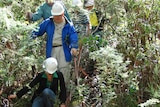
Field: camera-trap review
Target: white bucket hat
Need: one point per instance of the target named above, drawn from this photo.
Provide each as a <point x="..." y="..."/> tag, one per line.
<point x="77" y="3"/>
<point x="50" y="65"/>
<point x="89" y="3"/>
<point x="57" y="9"/>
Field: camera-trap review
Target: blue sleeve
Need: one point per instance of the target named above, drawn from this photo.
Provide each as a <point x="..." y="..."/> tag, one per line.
<point x="39" y="31"/>
<point x="73" y="38"/>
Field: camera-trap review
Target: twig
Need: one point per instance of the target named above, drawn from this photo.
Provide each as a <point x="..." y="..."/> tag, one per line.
<point x="1" y="91"/>
<point x="5" y="102"/>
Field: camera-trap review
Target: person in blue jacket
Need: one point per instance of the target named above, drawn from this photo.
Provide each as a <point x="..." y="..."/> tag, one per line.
<point x="62" y="39"/>
<point x="44" y="11"/>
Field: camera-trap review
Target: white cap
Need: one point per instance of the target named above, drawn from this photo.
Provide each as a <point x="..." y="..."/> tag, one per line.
<point x="89" y="3"/>
<point x="57" y="9"/>
<point x="50" y="65"/>
<point x="77" y="3"/>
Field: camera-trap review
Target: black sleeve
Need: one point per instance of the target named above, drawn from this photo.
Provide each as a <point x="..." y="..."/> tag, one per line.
<point x="26" y="88"/>
<point x="62" y="95"/>
<point x="23" y="91"/>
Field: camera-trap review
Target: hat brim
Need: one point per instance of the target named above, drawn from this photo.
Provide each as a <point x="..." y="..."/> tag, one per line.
<point x="57" y="14"/>
<point x="51" y="72"/>
<point x="79" y="5"/>
<point x="88" y="5"/>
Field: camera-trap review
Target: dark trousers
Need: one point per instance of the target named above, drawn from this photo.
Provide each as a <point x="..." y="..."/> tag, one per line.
<point x="46" y="99"/>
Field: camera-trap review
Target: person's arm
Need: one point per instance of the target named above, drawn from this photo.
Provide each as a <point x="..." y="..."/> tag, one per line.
<point x="73" y="37"/>
<point x="38" y="14"/>
<point x="26" y="88"/>
<point x="35" y="16"/>
<point x="39" y="31"/>
<point x="87" y="22"/>
<point x="12" y="96"/>
<point x="89" y="29"/>
<point x="20" y="93"/>
<point x="73" y="40"/>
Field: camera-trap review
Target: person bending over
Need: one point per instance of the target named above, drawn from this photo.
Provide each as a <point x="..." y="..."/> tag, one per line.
<point x="49" y="82"/>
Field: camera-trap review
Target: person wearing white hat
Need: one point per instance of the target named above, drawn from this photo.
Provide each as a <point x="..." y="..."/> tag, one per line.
<point x="48" y="83"/>
<point x="77" y="3"/>
<point x="95" y="16"/>
<point x="62" y="40"/>
<point x="80" y="18"/>
<point x="44" y="11"/>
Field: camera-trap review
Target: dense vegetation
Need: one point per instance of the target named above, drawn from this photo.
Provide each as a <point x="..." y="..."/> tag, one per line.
<point x="121" y="69"/>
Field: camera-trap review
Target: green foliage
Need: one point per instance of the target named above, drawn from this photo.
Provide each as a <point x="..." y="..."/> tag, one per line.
<point x="113" y="73"/>
<point x="4" y="3"/>
<point x="18" y="53"/>
<point x="131" y="31"/>
<point x="127" y="69"/>
<point x="149" y="103"/>
<point x="136" y="40"/>
<point x="93" y="42"/>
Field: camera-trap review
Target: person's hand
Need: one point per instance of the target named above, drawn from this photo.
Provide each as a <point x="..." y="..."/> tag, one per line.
<point x="62" y="105"/>
<point x="12" y="96"/>
<point x="74" y="51"/>
<point x="33" y="36"/>
<point x="29" y="16"/>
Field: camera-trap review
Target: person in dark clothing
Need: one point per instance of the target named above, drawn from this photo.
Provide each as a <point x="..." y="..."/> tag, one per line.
<point x="49" y="82"/>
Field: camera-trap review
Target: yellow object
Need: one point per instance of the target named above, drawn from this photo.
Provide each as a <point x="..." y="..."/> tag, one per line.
<point x="26" y="22"/>
<point x="93" y="19"/>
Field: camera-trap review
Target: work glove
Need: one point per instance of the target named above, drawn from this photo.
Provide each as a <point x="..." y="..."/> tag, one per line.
<point x="32" y="35"/>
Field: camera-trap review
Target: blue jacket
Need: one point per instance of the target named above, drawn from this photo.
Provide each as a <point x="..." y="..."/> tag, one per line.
<point x="69" y="37"/>
<point x="44" y="11"/>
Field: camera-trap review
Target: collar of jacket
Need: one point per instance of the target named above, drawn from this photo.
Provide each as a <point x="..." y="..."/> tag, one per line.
<point x="55" y="75"/>
<point x="67" y="21"/>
